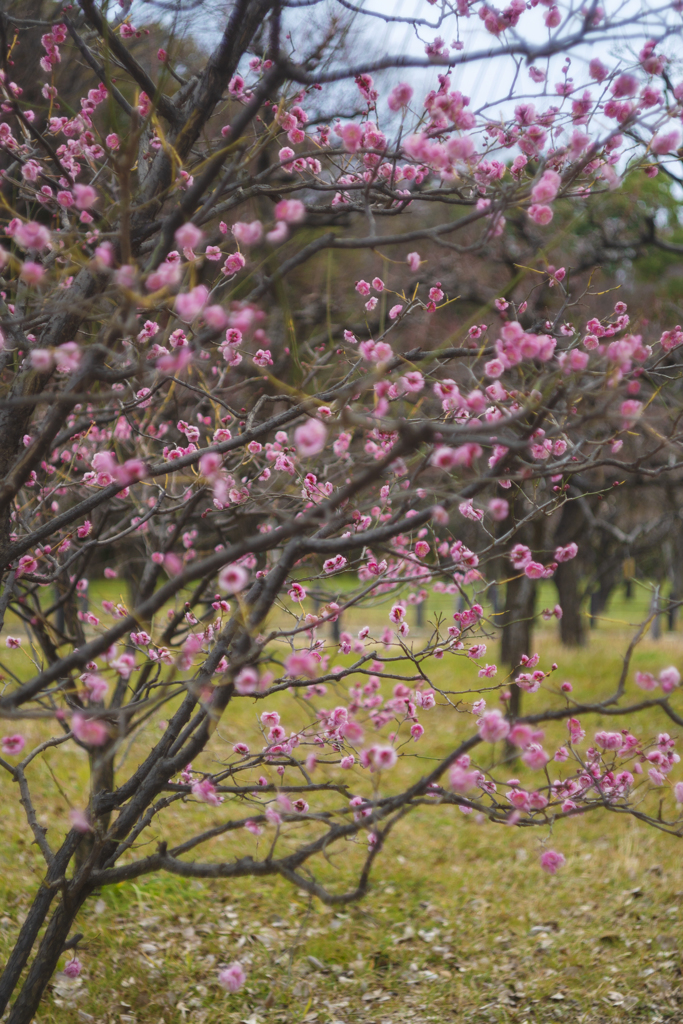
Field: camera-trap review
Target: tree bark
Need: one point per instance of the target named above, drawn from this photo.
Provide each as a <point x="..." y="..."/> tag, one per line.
<point x="18" y="958"/>
<point x="517" y="621"/>
<point x="567" y="576"/>
<point x="47" y="957"/>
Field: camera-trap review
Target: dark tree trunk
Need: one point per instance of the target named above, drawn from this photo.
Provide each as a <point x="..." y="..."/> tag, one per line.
<point x="517" y="618"/>
<point x="47" y="957"/>
<point x="675" y="569"/>
<point x="572" y="629"/>
<point x="35" y="918"/>
<point x="517" y="621"/>
<point x="567" y="576"/>
<point x="607" y="581"/>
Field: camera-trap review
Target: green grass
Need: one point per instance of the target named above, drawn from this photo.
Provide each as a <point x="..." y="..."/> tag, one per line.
<point x="460" y="925"/>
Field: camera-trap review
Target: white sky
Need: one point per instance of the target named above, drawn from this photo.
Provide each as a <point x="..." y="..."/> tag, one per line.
<point x="487" y="81"/>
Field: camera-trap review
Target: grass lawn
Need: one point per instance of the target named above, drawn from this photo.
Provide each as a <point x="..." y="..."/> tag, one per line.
<point x="461" y="923"/>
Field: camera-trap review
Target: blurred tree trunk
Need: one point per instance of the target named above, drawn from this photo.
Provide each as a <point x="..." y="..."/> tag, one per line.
<point x="517" y="619"/>
<point x="675" y="561"/>
<point x="518" y="622"/>
<point x="567" y="576"/>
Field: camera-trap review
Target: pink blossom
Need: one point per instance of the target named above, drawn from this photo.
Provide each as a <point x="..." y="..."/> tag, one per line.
<point x="626" y="85"/>
<point x="104" y="255"/>
<point x="534" y="570"/>
<point x="397" y="613"/>
<point x="13" y="744"/>
<point x="301" y="663"/>
<point x="597" y="70"/>
<point x="381" y="352"/>
<point x="86" y="196"/>
<point x="189" y="304"/>
<point x="42" y="359"/>
<point x="666" y="142"/>
<point x="461" y="780"/>
<point x="540" y="214"/>
<point x="310" y="438"/>
<point x="499" y="509"/>
<point x="535" y="757"/>
<point x="248" y="233"/>
<point x="493" y="726"/>
<point x="79" y="820"/>
<point x="205" y="792"/>
<point x="448" y="458"/>
<point x="91" y="731"/>
<point x="246" y="681"/>
<point x="467" y="510"/>
<point x="521" y="735"/>
<point x="566" y="553"/>
<point x="166" y="275"/>
<point x="545" y="190"/>
<point x="381" y="758"/>
<point x="27" y="563"/>
<point x="188" y="236"/>
<point x="234" y="263"/>
<point x="279" y="234"/>
<point x="551" y="861"/>
<point x="494" y="368"/>
<point x="413" y="261"/>
<point x="96" y="686"/>
<point x="630" y="411"/>
<point x="233" y="578"/>
<point x="646" y="681"/>
<point x="669" y="678"/>
<point x="32" y="235"/>
<point x="412" y="382"/>
<point x="73" y="968"/>
<point x="291" y="211"/>
<point x="608" y="740"/>
<point x="332" y="564"/>
<point x="351" y="135"/>
<point x="553" y="17"/>
<point x="678" y="792"/>
<point x="32" y="273"/>
<point x="125" y="276"/>
<point x="210" y="464"/>
<point x="12" y="642"/>
<point x="131" y="471"/>
<point x="30" y="170"/>
<point x="400" y="96"/>
<point x="232" y="978"/>
<point x="286" y="155"/>
<point x="215" y="316"/>
<point x="112" y="141"/>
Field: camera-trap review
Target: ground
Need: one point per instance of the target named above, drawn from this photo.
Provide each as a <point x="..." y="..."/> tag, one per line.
<point x="461" y="924"/>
